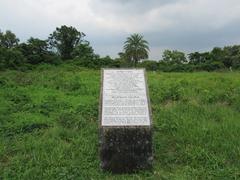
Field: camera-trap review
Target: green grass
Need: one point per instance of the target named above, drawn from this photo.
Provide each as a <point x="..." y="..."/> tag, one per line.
<point x="49" y="125"/>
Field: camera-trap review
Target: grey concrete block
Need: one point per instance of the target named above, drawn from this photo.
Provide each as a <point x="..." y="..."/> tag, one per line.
<point x="126" y="149"/>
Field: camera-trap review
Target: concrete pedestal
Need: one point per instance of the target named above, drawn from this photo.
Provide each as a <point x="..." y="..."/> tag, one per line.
<point x="126" y="149"/>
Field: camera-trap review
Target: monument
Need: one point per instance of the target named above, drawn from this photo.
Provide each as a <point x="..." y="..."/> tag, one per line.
<point x="125" y="121"/>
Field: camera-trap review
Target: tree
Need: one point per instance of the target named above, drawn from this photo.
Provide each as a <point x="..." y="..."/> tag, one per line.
<point x="200" y="58"/>
<point x="1" y="36"/>
<point x="34" y="50"/>
<point x="194" y="58"/>
<point x="149" y="65"/>
<point x="136" y="48"/>
<point x="231" y="55"/>
<point x="121" y="55"/>
<point x="65" y="39"/>
<point x="83" y="50"/>
<point x="217" y="54"/>
<point x="38" y="46"/>
<point x="11" y="58"/>
<point x="174" y="57"/>
<point x="124" y="60"/>
<point x="37" y="51"/>
<point x="8" y="39"/>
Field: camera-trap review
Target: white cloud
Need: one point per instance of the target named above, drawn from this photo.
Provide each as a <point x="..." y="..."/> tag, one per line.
<point x="184" y="24"/>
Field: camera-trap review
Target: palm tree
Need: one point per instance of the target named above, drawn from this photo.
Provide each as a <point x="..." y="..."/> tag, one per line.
<point x="136" y="48"/>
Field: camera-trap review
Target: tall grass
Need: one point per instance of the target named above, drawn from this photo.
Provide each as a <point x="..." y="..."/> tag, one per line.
<point x="49" y="125"/>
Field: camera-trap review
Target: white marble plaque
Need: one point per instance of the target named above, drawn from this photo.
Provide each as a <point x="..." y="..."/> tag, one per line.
<point x="124" y="98"/>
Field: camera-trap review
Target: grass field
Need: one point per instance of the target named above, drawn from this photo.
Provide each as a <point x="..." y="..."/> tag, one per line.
<point x="49" y="129"/>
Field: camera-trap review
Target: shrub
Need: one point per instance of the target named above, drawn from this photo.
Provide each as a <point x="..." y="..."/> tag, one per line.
<point x="11" y="58"/>
<point x="149" y="65"/>
<point x="212" y="66"/>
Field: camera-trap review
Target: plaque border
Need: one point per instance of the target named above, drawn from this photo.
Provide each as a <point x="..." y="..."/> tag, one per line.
<point x="101" y="100"/>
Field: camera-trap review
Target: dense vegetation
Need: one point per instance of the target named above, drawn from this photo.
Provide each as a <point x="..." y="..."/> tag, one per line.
<point x="68" y="44"/>
<point x="49" y="108"/>
<point x="49" y="124"/>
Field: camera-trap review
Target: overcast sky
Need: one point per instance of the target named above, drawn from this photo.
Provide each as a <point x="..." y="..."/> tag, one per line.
<point x="186" y="25"/>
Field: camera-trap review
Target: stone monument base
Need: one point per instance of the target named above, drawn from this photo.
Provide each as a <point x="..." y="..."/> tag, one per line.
<point x="126" y="149"/>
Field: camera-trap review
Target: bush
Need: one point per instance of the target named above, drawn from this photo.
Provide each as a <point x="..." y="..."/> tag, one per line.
<point x="170" y="67"/>
<point x="52" y="59"/>
<point x="96" y="62"/>
<point x="85" y="62"/>
<point x="212" y="66"/>
<point x="149" y="65"/>
<point x="11" y="58"/>
<point x="236" y="63"/>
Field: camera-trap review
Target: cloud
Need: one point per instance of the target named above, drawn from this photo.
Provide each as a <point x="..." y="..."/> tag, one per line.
<point x="187" y="25"/>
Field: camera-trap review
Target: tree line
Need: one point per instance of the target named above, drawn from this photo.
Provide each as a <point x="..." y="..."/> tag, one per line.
<point x="67" y="44"/>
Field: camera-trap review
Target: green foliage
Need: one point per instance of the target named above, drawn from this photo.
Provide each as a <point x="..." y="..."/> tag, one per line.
<point x="36" y="52"/>
<point x="11" y="58"/>
<point x="49" y="124"/>
<point x="174" y="57"/>
<point x="8" y="39"/>
<point x="211" y="66"/>
<point x="67" y="43"/>
<point x="231" y="56"/>
<point x="83" y="50"/>
<point x="96" y="62"/>
<point x="136" y="48"/>
<point x="149" y="65"/>
<point x="218" y="58"/>
<point x="199" y="58"/>
<point x="65" y="39"/>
